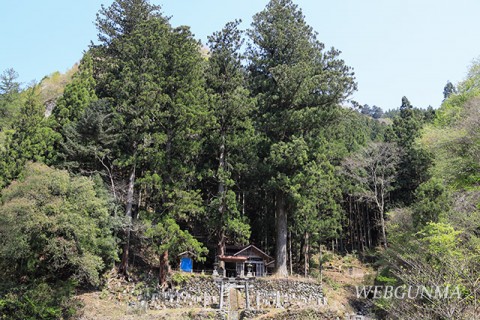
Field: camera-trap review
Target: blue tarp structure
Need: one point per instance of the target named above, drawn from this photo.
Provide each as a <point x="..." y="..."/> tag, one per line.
<point x="186" y="264"/>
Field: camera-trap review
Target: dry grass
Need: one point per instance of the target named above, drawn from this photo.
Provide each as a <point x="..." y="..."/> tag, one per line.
<point x="108" y="309"/>
<point x="338" y="287"/>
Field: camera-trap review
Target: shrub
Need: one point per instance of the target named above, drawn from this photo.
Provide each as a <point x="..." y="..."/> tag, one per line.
<point x="55" y="233"/>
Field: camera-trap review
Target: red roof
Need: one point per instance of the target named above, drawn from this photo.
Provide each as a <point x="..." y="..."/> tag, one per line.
<point x="232" y="259"/>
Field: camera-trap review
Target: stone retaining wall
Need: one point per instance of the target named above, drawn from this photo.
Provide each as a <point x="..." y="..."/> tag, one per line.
<point x="204" y="292"/>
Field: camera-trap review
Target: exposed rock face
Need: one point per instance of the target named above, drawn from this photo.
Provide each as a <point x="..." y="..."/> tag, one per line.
<point x="49" y="106"/>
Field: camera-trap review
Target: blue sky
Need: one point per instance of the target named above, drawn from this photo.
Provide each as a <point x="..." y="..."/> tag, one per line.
<point x="397" y="47"/>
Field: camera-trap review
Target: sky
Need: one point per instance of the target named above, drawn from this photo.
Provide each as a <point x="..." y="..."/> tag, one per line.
<point x="396" y="47"/>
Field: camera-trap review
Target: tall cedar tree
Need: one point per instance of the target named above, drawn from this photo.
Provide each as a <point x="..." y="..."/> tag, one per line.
<point x="120" y="72"/>
<point x="413" y="167"/>
<point x="316" y="213"/>
<point x="178" y="121"/>
<point x="152" y="75"/>
<point x="232" y="132"/>
<point x="295" y="80"/>
<point x="448" y="90"/>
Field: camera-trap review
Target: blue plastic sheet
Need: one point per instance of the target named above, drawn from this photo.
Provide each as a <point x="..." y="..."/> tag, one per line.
<point x="186" y="264"/>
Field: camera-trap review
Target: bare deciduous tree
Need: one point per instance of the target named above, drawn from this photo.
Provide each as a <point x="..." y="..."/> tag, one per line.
<point x="417" y="266"/>
<point x="373" y="169"/>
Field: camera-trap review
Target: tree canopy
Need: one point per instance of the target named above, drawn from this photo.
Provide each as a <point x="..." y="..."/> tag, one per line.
<point x="155" y="144"/>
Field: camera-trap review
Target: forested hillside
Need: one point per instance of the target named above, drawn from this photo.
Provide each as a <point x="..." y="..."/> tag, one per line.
<point x="151" y="147"/>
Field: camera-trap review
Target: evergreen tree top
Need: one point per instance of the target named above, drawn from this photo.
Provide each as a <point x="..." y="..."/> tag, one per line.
<point x="122" y="16"/>
<point x="405" y="104"/>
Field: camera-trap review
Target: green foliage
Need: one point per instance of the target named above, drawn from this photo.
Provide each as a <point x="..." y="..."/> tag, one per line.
<point x="231" y="138"/>
<point x="90" y="142"/>
<point x="451" y="109"/>
<point x="299" y="86"/>
<point x="392" y="113"/>
<point x="400" y="226"/>
<point x="122" y="16"/>
<point x="441" y="239"/>
<point x="224" y="145"/>
<point x="151" y="74"/>
<point x="349" y="132"/>
<point x="289" y="70"/>
<point x="8" y="83"/>
<point x="146" y="127"/>
<point x="374" y="112"/>
<point x="56" y="231"/>
<point x="332" y="283"/>
<point x="386" y="278"/>
<point x="315" y="192"/>
<point x="432" y="241"/>
<point x="406" y="126"/>
<point x="456" y="145"/>
<point x="77" y="95"/>
<point x="414" y="165"/>
<point x="432" y="203"/>
<point x="30" y="139"/>
<point x="449" y="90"/>
<point x="55" y="226"/>
<point x="10" y="98"/>
<point x="234" y="226"/>
<point x="287" y="158"/>
<point x="39" y="300"/>
<point x="438" y="255"/>
<point x="181" y="278"/>
<point x="166" y="236"/>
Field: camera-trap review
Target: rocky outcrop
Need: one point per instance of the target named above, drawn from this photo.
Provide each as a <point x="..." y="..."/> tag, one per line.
<point x="49" y="106"/>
